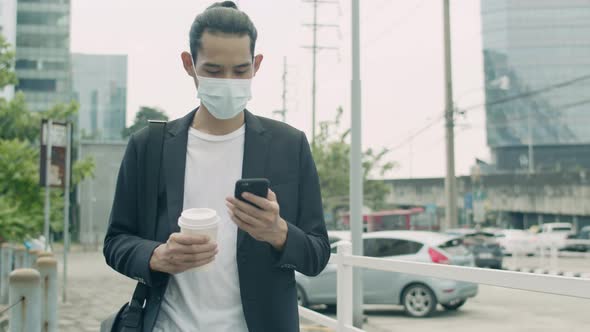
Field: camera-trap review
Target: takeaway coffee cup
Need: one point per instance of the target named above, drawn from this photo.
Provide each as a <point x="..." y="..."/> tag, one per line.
<point x="200" y="221"/>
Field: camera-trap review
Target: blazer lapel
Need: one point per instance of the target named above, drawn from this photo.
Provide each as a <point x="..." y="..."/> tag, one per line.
<point x="256" y="146"/>
<point x="174" y="167"/>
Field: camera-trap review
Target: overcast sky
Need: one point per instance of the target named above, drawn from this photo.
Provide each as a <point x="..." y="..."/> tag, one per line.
<point x="401" y="65"/>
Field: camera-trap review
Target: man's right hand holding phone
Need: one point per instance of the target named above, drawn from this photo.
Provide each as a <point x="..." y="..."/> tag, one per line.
<point x="183" y="252"/>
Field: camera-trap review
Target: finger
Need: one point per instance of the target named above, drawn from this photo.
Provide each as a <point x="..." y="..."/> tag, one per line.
<point x="200" y="263"/>
<point x="193" y="258"/>
<point x="189" y="239"/>
<point x="271" y="196"/>
<point x="253" y="222"/>
<point x="242" y="225"/>
<point x="246" y="208"/>
<point x="235" y="203"/>
<point x="192" y="249"/>
<point x="262" y="202"/>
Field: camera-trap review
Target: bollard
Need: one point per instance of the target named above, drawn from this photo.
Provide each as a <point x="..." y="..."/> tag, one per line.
<point x="5" y="269"/>
<point x="44" y="254"/>
<point x="33" y="256"/>
<point x="48" y="269"/>
<point x="25" y="287"/>
<point x="19" y="257"/>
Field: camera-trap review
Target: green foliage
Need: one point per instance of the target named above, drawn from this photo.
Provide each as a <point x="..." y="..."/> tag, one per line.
<point x="7" y="76"/>
<point x="21" y="198"/>
<point x="331" y="153"/>
<point x="142" y="117"/>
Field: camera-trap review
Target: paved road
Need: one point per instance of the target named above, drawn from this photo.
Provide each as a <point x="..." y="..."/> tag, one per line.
<point x="95" y="291"/>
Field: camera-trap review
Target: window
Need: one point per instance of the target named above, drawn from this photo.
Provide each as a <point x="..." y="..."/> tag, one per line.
<point x="54" y="65"/>
<point x="42" y="18"/>
<point x="39" y="85"/>
<point x="26" y="64"/>
<point x="390" y="247"/>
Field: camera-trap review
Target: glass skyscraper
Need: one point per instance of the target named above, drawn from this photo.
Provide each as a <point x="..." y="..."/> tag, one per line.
<point x="100" y="86"/>
<point x="537" y="82"/>
<point x="43" y="52"/>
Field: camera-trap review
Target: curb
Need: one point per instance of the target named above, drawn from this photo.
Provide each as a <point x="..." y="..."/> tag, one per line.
<point x="559" y="273"/>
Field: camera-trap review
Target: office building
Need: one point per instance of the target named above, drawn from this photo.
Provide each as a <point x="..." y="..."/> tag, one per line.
<point x="536" y="64"/>
<point x="43" y="52"/>
<point x="100" y="86"/>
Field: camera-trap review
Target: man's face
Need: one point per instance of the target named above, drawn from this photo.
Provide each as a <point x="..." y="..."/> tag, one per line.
<point x="223" y="56"/>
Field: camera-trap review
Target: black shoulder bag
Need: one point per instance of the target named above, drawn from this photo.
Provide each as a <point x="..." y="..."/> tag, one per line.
<point x="130" y="317"/>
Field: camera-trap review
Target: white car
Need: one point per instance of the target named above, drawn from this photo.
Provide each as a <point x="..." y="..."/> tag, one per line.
<point x="517" y="241"/>
<point x="555" y="234"/>
<point x="419" y="295"/>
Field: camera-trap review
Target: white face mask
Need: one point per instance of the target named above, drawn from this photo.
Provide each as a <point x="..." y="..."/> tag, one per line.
<point x="225" y="98"/>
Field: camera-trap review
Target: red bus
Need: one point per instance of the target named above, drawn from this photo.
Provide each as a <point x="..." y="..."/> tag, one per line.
<point x="400" y="219"/>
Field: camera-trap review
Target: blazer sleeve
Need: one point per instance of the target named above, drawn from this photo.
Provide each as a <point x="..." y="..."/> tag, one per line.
<point x="307" y="249"/>
<point x="124" y="249"/>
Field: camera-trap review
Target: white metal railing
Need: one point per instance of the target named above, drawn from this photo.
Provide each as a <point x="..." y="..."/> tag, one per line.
<point x="557" y="285"/>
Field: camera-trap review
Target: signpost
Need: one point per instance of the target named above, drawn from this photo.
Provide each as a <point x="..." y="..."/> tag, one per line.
<point x="55" y="171"/>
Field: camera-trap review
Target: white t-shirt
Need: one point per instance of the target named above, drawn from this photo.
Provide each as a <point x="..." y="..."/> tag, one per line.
<point x="209" y="300"/>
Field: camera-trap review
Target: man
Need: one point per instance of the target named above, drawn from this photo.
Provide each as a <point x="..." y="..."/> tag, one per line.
<point x="250" y="285"/>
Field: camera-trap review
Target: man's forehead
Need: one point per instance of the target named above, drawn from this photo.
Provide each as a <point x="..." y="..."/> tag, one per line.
<point x="224" y="48"/>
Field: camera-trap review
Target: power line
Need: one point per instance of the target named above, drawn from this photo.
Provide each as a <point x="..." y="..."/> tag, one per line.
<point x="500" y="101"/>
<point x="396" y="23"/>
<point x="530" y="93"/>
<point x="418" y="132"/>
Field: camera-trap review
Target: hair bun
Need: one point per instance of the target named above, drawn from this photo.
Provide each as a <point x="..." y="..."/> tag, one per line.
<point x="225" y="4"/>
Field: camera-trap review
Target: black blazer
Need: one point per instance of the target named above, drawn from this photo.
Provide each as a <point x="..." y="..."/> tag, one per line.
<point x="272" y="150"/>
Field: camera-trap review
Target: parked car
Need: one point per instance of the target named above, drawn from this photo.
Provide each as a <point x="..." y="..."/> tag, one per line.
<point x="419" y="295"/>
<point x="517" y="241"/>
<point x="483" y="245"/>
<point x="584" y="234"/>
<point x="555" y="234"/>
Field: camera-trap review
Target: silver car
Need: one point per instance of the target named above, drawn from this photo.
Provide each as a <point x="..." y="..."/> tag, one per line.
<point x="419" y="295"/>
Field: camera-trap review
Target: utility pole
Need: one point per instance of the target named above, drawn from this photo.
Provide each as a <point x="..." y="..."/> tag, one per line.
<point x="356" y="171"/>
<point x="530" y="144"/>
<point x="450" y="182"/>
<point x="314" y="51"/>
<point x="283" y="111"/>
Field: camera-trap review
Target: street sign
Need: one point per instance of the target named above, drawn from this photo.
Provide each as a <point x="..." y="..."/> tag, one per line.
<point x="58" y="143"/>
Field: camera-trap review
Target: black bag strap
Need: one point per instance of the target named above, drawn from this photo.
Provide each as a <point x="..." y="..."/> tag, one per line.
<point x="155" y="144"/>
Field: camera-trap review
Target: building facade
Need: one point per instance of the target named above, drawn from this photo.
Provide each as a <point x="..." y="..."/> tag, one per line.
<point x="537" y="83"/>
<point x="100" y="86"/>
<point x="43" y="52"/>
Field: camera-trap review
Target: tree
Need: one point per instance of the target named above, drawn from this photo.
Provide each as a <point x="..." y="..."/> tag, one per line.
<point x="331" y="153"/>
<point x="141" y="119"/>
<point x="21" y="197"/>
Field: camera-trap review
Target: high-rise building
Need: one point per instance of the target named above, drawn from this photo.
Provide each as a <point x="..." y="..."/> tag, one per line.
<point x="100" y="86"/>
<point x="8" y="31"/>
<point x="537" y="56"/>
<point x="43" y="52"/>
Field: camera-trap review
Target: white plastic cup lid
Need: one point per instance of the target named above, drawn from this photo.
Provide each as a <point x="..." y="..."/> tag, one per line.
<point x="198" y="218"/>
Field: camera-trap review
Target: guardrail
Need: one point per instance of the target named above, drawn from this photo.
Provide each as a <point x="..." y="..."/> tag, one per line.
<point x="556" y="285"/>
<point x="28" y="288"/>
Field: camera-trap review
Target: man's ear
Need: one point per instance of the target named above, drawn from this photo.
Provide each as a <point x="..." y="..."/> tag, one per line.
<point x="257" y="61"/>
<point x="187" y="63"/>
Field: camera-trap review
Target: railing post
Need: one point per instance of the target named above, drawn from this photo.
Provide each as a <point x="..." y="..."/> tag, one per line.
<point x="19" y="257"/>
<point x="48" y="269"/>
<point x="5" y="269"/>
<point x="554" y="256"/>
<point x="25" y="286"/>
<point x="344" y="288"/>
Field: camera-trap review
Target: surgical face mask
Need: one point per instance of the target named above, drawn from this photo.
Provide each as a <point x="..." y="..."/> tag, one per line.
<point x="225" y="98"/>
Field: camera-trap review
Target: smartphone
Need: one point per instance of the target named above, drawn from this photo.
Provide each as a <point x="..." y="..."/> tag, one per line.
<point x="258" y="187"/>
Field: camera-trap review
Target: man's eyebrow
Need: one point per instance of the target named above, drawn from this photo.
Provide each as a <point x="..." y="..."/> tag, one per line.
<point x="214" y="65"/>
<point x="246" y="64"/>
